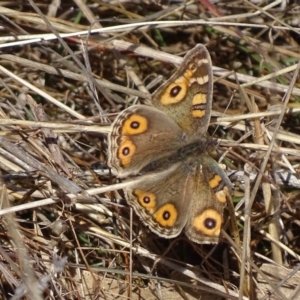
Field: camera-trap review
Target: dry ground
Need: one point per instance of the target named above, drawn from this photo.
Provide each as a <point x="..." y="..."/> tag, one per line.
<point x="66" y="70"/>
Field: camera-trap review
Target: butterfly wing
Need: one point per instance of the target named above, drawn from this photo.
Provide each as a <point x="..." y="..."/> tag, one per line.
<point x="140" y="135"/>
<point x="191" y="194"/>
<point x="187" y="95"/>
<point x="162" y="200"/>
<point x="211" y="190"/>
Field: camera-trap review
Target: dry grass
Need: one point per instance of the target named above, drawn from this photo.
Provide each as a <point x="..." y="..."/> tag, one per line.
<point x="66" y="232"/>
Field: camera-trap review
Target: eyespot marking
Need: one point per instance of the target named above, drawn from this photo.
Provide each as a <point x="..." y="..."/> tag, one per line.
<point x="166" y="215"/>
<point x="208" y="222"/>
<point x="175" y="92"/>
<point x="126" y="151"/>
<point x="135" y="124"/>
<point x="146" y="199"/>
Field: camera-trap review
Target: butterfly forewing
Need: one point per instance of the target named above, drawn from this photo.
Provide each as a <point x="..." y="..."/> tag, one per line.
<point x="140" y="135"/>
<point x="187" y="95"/>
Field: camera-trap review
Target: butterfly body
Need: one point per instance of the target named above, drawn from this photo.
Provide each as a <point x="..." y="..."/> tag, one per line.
<point x="181" y="186"/>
